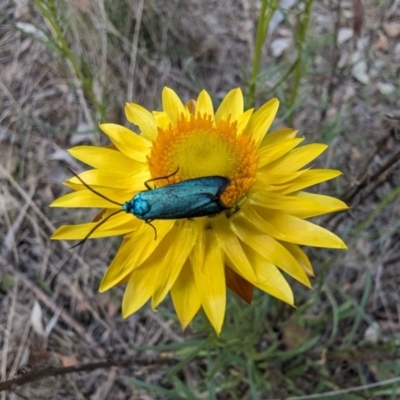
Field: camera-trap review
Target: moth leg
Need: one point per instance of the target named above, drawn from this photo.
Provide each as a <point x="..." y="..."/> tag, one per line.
<point x="149" y="222"/>
<point x="161" y="177"/>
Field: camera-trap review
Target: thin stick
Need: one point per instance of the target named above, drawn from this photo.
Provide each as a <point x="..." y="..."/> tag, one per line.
<point x="57" y="371"/>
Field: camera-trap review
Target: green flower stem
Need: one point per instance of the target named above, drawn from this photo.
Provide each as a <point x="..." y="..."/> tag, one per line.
<point x="48" y="10"/>
<point x="388" y="199"/>
<point x="299" y="66"/>
<point x="268" y="8"/>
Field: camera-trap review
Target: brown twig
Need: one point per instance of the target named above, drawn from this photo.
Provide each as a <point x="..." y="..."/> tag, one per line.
<point x="366" y="179"/>
<point x="358" y="17"/>
<point x="382" y="170"/>
<point x="46" y="372"/>
<point x="373" y="184"/>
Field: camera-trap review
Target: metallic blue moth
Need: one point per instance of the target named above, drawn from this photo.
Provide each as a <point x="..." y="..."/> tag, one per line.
<point x="198" y="197"/>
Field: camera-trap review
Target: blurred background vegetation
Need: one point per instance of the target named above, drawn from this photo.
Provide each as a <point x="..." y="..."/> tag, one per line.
<point x="335" y="67"/>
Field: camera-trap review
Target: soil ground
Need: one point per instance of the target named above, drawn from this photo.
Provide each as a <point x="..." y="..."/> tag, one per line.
<point x="50" y="311"/>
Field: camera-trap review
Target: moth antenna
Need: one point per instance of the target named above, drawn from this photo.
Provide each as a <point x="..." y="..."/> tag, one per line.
<point x="93" y="190"/>
<point x="94" y="229"/>
<point x="161" y="177"/>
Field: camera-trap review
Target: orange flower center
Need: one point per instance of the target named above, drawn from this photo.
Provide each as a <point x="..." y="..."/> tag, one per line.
<point x="199" y="147"/>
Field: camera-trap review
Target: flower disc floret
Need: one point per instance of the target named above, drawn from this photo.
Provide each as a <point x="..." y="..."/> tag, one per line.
<point x="197" y="146"/>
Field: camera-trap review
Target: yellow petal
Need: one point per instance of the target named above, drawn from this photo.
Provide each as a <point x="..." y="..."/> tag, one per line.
<point x="272" y="152"/>
<point x="296" y="230"/>
<point x="185" y="296"/>
<point x="204" y="104"/>
<point x="268" y="247"/>
<point x="210" y="282"/>
<point x="231" y="105"/>
<point x="173" y="105"/>
<point x="300" y="256"/>
<point x="326" y="203"/>
<point x="120" y="266"/>
<point x="230" y="243"/>
<point x="138" y="290"/>
<point x="297" y="158"/>
<point x="162" y="118"/>
<point x="150" y="275"/>
<point x="266" y="181"/>
<point x="191" y="106"/>
<point x="197" y="255"/>
<point x="179" y="248"/>
<point x="243" y="120"/>
<point x="269" y="278"/>
<point x="115" y="226"/>
<point x="277" y="136"/>
<point x="74" y="186"/>
<point x="102" y="158"/>
<point x="263" y="224"/>
<point x="134" y="250"/>
<point x="110" y="179"/>
<point x="87" y="199"/>
<point x="310" y="178"/>
<point x="294" y="204"/>
<point x="127" y="142"/>
<point x="143" y="118"/>
<point x="261" y="120"/>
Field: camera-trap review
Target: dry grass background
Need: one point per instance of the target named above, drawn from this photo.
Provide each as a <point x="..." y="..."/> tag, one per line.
<point x="344" y="334"/>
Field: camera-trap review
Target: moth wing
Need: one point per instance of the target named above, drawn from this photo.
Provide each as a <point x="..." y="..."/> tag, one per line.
<point x="188" y="199"/>
<point x="211" y="184"/>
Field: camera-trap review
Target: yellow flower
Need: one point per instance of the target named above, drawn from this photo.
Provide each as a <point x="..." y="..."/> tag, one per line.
<point x="254" y="237"/>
